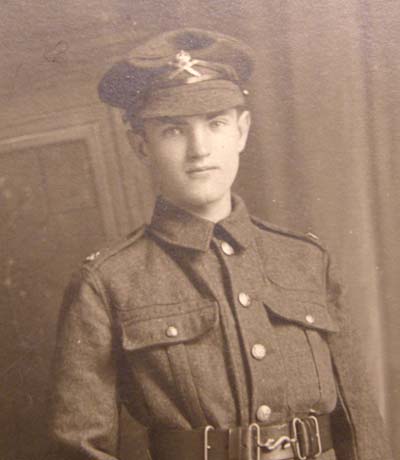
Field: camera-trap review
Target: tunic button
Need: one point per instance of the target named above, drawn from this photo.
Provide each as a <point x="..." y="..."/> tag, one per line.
<point x="171" y="331"/>
<point x="244" y="299"/>
<point x="310" y="319"/>
<point x="258" y="351"/>
<point x="263" y="413"/>
<point x="227" y="249"/>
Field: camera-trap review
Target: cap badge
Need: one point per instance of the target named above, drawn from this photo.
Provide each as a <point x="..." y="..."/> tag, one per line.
<point x="184" y="63"/>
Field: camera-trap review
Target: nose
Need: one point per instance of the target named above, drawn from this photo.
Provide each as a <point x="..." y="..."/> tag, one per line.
<point x="198" y="143"/>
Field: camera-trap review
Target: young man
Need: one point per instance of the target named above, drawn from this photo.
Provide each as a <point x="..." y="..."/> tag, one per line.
<point x="220" y="333"/>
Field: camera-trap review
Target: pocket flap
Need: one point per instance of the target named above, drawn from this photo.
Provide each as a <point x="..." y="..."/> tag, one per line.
<point x="303" y="307"/>
<point x="171" y="328"/>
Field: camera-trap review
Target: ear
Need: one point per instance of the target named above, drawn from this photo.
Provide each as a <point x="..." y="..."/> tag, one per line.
<point x="244" y="122"/>
<point x="138" y="143"/>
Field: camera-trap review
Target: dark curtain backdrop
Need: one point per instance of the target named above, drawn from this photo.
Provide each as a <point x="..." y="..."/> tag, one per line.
<point x="323" y="150"/>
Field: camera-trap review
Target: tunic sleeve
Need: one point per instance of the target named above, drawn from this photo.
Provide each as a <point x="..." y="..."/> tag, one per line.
<point x="85" y="412"/>
<point x="358" y="429"/>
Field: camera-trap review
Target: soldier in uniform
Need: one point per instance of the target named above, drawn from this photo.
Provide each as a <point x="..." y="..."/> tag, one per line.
<point x="223" y="334"/>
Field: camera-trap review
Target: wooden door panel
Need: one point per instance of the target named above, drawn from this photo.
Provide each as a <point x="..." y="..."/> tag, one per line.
<point x="49" y="218"/>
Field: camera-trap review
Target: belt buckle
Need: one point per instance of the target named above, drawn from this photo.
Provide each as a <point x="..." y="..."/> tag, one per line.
<point x="298" y="422"/>
<point x="270" y="444"/>
<point x="303" y="454"/>
<point x="297" y="425"/>
<point x="317" y="435"/>
<point x="206" y="446"/>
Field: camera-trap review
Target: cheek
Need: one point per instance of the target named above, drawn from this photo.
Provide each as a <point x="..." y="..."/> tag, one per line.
<point x="229" y="144"/>
<point x="230" y="152"/>
<point x="234" y="166"/>
<point x="234" y="161"/>
<point x="166" y="169"/>
<point x="159" y="155"/>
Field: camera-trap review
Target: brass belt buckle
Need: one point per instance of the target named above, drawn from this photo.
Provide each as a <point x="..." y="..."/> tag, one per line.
<point x="206" y="446"/>
<point x="271" y="444"/>
<point x="298" y="424"/>
<point x="317" y="435"/>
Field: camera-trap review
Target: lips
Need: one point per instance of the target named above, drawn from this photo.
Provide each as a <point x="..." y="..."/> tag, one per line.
<point x="200" y="169"/>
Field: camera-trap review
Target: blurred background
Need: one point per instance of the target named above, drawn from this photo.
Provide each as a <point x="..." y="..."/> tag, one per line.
<point x="322" y="158"/>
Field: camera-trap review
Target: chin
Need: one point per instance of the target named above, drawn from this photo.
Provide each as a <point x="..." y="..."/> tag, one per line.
<point x="203" y="199"/>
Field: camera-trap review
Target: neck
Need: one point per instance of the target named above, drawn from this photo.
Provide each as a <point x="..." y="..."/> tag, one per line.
<point x="214" y="212"/>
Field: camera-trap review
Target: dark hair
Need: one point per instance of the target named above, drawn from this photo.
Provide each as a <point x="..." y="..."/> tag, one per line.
<point x="136" y="123"/>
<point x="241" y="108"/>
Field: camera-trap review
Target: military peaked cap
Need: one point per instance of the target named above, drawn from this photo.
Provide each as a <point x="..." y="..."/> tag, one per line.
<point x="181" y="72"/>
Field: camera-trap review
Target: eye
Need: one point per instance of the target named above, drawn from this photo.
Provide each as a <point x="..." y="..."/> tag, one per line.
<point x="172" y="131"/>
<point x="217" y="123"/>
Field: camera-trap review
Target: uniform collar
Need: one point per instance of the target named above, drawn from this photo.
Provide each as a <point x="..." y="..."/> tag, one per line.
<point x="180" y="228"/>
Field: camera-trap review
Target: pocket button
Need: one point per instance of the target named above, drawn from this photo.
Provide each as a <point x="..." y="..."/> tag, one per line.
<point x="310" y="319"/>
<point x="171" y="332"/>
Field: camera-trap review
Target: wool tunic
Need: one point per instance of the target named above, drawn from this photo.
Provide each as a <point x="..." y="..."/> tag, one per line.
<point x="190" y="323"/>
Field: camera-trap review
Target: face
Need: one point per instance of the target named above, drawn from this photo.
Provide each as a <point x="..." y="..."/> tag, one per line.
<point x="195" y="159"/>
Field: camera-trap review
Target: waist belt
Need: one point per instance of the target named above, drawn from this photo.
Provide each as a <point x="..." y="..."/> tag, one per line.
<point x="301" y="438"/>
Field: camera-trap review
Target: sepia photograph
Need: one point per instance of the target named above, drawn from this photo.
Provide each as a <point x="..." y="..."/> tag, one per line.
<point x="199" y="230"/>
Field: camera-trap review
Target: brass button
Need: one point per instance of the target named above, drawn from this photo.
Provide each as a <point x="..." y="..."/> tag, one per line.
<point x="310" y="319"/>
<point x="227" y="249"/>
<point x="171" y="331"/>
<point x="258" y="351"/>
<point x="244" y="299"/>
<point x="263" y="413"/>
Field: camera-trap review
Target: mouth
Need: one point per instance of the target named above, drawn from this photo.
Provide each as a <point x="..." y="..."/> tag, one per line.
<point x="200" y="169"/>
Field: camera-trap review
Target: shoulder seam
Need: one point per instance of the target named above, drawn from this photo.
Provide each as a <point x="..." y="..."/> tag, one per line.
<point x="286" y="232"/>
<point x="108" y="252"/>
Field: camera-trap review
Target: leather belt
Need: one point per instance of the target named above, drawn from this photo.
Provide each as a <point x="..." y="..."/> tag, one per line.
<point x="301" y="438"/>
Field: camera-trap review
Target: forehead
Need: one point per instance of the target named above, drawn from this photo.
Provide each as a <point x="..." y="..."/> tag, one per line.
<point x="187" y="120"/>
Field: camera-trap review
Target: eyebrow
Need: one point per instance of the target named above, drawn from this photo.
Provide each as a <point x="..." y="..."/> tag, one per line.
<point x="171" y="120"/>
<point x="182" y="121"/>
<point x="212" y="115"/>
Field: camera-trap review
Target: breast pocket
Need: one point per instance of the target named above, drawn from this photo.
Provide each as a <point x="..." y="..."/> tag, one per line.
<point x="155" y="326"/>
<point x="157" y="341"/>
<point x="301" y="322"/>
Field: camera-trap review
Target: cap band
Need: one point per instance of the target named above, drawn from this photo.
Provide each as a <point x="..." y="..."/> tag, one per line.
<point x="191" y="99"/>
